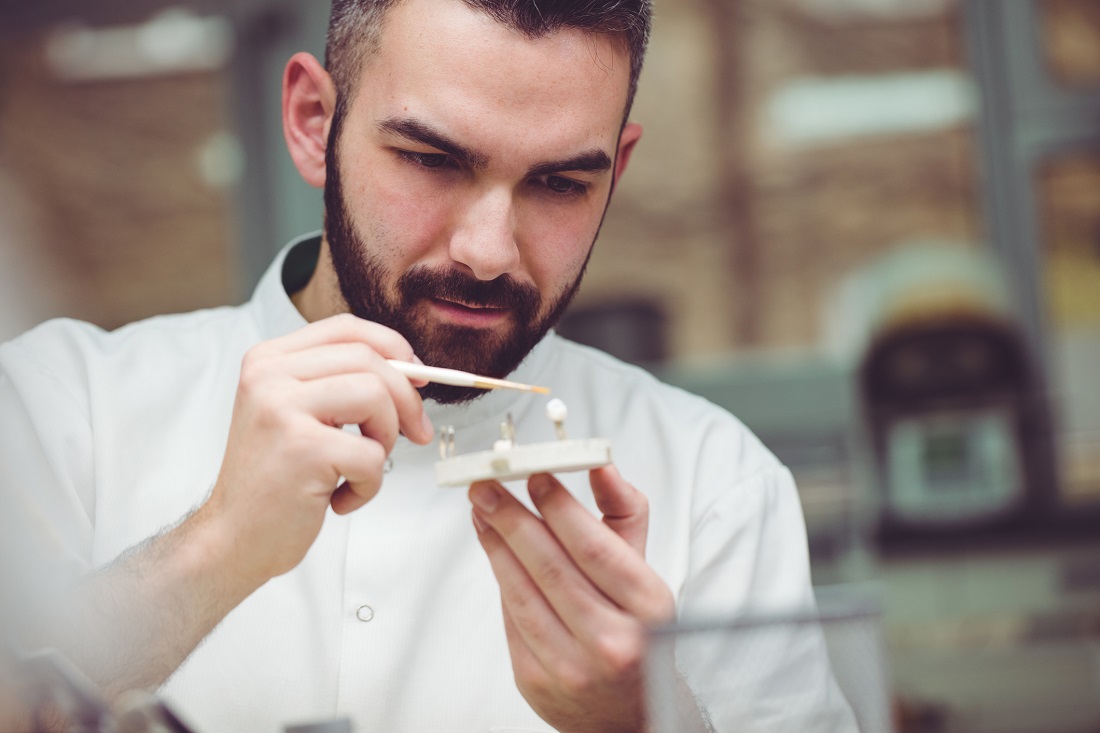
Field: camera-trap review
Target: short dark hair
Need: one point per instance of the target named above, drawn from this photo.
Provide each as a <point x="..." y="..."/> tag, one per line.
<point x="355" y="29"/>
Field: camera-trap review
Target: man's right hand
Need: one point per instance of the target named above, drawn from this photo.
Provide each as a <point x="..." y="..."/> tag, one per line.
<point x="287" y="451"/>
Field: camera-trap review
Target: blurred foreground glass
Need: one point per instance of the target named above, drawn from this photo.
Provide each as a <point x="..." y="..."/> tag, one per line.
<point x="764" y="671"/>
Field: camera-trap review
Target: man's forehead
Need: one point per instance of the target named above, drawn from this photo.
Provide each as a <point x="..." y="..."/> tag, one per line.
<point x="464" y="63"/>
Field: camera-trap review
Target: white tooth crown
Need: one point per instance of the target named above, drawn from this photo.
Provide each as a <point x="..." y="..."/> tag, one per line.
<point x="556" y="411"/>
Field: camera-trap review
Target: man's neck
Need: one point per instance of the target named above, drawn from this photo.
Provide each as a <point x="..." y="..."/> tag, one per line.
<point x="316" y="300"/>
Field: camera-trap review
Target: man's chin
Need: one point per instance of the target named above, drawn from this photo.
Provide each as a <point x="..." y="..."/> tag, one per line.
<point x="477" y="350"/>
<point x="481" y="351"/>
<point x="474" y="350"/>
<point x="445" y="394"/>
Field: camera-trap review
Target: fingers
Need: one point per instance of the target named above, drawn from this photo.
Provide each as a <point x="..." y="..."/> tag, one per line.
<point x="571" y="595"/>
<point x="613" y="562"/>
<point x="381" y="402"/>
<point x="530" y="620"/>
<point x="576" y="652"/>
<point x="625" y="509"/>
<point x="526" y="665"/>
<point x="348" y="496"/>
<point x="323" y="372"/>
<point x="361" y="463"/>
<point x="327" y="360"/>
<point x="349" y="399"/>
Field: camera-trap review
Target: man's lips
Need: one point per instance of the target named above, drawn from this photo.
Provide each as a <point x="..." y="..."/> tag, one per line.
<point x="465" y="314"/>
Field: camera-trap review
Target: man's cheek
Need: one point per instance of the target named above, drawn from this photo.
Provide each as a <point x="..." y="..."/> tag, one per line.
<point x="559" y="257"/>
<point x="416" y="215"/>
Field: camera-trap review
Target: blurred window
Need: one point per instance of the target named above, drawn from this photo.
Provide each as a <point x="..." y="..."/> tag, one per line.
<point x="1069" y="190"/>
<point x="1071" y="39"/>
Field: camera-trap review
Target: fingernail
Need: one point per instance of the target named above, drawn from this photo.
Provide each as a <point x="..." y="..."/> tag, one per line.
<point x="416" y="360"/>
<point x="485" y="497"/>
<point x="538" y="485"/>
<point x="426" y="426"/>
<point x="479" y="525"/>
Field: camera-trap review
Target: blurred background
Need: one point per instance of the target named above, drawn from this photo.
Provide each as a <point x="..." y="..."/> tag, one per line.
<point x="869" y="228"/>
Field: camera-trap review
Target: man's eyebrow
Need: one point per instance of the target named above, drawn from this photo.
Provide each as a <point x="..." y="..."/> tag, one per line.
<point x="420" y="132"/>
<point x="590" y="161"/>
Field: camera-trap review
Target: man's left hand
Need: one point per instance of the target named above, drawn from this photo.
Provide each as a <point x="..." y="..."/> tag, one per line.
<point x="577" y="597"/>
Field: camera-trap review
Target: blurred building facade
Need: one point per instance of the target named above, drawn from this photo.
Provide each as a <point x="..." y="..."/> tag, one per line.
<point x="790" y="145"/>
<point x="749" y="213"/>
<point x="754" y="193"/>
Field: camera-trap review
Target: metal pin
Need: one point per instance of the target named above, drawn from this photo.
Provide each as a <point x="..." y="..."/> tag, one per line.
<point x="446" y="442"/>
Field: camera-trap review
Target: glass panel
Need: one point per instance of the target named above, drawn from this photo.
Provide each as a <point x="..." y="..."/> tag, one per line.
<point x="1070" y="197"/>
<point x="1071" y="36"/>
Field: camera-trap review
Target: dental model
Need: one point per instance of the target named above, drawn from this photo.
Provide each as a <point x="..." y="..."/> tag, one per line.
<point x="509" y="461"/>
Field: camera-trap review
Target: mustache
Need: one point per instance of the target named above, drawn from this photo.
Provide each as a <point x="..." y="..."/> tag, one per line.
<point x="502" y="292"/>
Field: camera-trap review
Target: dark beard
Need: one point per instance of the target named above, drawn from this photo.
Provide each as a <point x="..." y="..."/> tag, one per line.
<point x="362" y="280"/>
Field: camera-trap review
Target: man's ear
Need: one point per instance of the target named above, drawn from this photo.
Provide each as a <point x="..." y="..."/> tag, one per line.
<point x="631" y="134"/>
<point x="309" y="101"/>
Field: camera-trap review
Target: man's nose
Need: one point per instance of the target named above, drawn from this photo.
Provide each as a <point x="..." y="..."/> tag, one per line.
<point x="485" y="240"/>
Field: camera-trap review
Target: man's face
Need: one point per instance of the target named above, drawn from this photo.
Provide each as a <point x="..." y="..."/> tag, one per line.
<point x="468" y="181"/>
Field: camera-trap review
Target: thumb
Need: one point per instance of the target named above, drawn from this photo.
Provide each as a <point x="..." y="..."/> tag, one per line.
<point x="625" y="509"/>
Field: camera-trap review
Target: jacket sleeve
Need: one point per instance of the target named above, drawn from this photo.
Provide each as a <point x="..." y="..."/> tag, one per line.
<point x="749" y="559"/>
<point x="47" y="501"/>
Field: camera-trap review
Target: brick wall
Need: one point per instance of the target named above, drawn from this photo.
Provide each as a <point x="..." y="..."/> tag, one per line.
<point x="114" y="196"/>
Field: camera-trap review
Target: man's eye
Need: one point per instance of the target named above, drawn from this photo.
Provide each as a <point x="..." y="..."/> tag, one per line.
<point x="425" y="160"/>
<point x="565" y="186"/>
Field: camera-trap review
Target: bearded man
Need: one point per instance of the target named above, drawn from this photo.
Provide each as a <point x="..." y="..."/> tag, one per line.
<point x="249" y="492"/>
